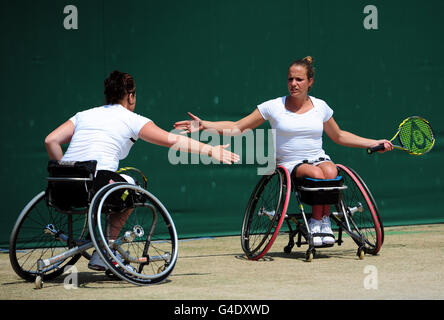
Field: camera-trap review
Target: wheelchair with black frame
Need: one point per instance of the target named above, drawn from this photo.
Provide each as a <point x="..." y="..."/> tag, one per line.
<point x="74" y="214"/>
<point x="354" y="212"/>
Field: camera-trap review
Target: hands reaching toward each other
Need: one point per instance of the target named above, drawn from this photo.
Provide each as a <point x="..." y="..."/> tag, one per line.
<point x="220" y="154"/>
<point x="188" y="126"/>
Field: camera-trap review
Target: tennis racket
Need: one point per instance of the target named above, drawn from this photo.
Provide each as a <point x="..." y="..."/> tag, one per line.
<point x="138" y="174"/>
<point x="414" y="135"/>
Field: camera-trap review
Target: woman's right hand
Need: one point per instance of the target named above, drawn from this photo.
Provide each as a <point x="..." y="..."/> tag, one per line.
<point x="188" y="126"/>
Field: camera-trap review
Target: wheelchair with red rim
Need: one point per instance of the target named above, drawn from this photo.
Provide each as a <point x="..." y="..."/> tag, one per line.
<point x="354" y="211"/>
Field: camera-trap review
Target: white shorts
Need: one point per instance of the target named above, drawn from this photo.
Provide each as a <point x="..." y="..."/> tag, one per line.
<point x="290" y="166"/>
<point x="128" y="178"/>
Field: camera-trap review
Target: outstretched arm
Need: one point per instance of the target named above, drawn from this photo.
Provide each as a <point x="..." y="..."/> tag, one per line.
<point x="229" y="128"/>
<point x="153" y="134"/>
<point x="56" y="138"/>
<point x="349" y="139"/>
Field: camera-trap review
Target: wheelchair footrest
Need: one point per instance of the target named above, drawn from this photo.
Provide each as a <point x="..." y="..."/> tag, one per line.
<point x="323" y="235"/>
<point x="325" y="245"/>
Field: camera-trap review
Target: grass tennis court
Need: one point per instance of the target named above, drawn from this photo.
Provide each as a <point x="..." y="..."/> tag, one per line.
<point x="409" y="266"/>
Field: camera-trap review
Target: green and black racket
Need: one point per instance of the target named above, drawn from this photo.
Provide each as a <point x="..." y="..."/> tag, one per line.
<point x="414" y="135"/>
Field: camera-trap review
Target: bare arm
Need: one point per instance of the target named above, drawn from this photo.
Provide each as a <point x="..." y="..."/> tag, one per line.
<point x="231" y="128"/>
<point x="54" y="141"/>
<point x="153" y="134"/>
<point x="349" y="139"/>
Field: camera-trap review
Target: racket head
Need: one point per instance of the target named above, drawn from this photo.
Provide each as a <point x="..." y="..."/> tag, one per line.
<point x="415" y="135"/>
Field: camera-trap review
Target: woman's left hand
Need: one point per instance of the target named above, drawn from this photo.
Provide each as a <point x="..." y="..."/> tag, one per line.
<point x="220" y="154"/>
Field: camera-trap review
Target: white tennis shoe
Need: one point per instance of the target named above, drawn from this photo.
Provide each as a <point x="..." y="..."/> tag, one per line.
<point x="315" y="227"/>
<point x="326" y="228"/>
<point x="96" y="263"/>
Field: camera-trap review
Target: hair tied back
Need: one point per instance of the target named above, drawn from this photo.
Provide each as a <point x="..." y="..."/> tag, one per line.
<point x="308" y="59"/>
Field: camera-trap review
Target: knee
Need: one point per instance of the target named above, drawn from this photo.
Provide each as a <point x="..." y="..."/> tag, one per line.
<point x="317" y="173"/>
<point x="330" y="172"/>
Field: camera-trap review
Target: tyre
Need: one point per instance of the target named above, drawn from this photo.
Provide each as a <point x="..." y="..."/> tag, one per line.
<point x="265" y="213"/>
<point x="144" y="249"/>
<point x="362" y="210"/>
<point x="31" y="241"/>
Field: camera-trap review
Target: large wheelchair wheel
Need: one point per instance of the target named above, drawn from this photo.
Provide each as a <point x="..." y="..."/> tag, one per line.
<point x="35" y="236"/>
<point x="145" y="251"/>
<point x="362" y="211"/>
<point x="265" y="213"/>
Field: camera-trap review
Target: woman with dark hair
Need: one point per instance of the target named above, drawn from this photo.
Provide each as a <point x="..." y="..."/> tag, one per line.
<point x="299" y="120"/>
<point x="107" y="133"/>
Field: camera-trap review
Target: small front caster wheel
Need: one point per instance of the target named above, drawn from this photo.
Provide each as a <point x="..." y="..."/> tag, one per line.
<point x="309" y="255"/>
<point x="287" y="249"/>
<point x="38" y="282"/>
<point x="360" y="253"/>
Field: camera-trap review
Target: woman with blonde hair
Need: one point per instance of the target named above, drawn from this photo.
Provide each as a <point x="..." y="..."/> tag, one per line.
<point x="299" y="120"/>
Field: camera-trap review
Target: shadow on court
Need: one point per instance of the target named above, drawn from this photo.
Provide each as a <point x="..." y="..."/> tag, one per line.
<point x="409" y="266"/>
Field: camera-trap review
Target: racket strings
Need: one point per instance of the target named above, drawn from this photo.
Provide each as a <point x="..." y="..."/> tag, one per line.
<point x="416" y="136"/>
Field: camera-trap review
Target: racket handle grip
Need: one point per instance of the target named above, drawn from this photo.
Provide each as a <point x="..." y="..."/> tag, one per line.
<point x="374" y="149"/>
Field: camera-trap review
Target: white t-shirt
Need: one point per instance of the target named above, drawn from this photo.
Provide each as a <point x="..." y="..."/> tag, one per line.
<point x="298" y="136"/>
<point x="104" y="134"/>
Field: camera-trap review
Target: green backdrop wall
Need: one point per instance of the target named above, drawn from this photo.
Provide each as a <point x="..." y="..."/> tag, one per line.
<point x="219" y="59"/>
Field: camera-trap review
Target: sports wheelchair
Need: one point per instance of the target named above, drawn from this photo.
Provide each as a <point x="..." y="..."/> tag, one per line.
<point x="356" y="213"/>
<point x="75" y="214"/>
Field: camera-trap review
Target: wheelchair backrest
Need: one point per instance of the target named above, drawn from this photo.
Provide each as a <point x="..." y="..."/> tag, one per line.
<point x="319" y="191"/>
<point x="70" y="185"/>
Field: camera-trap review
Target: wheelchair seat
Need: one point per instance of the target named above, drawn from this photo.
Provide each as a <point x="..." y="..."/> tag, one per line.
<point x="70" y="185"/>
<point x="319" y="191"/>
